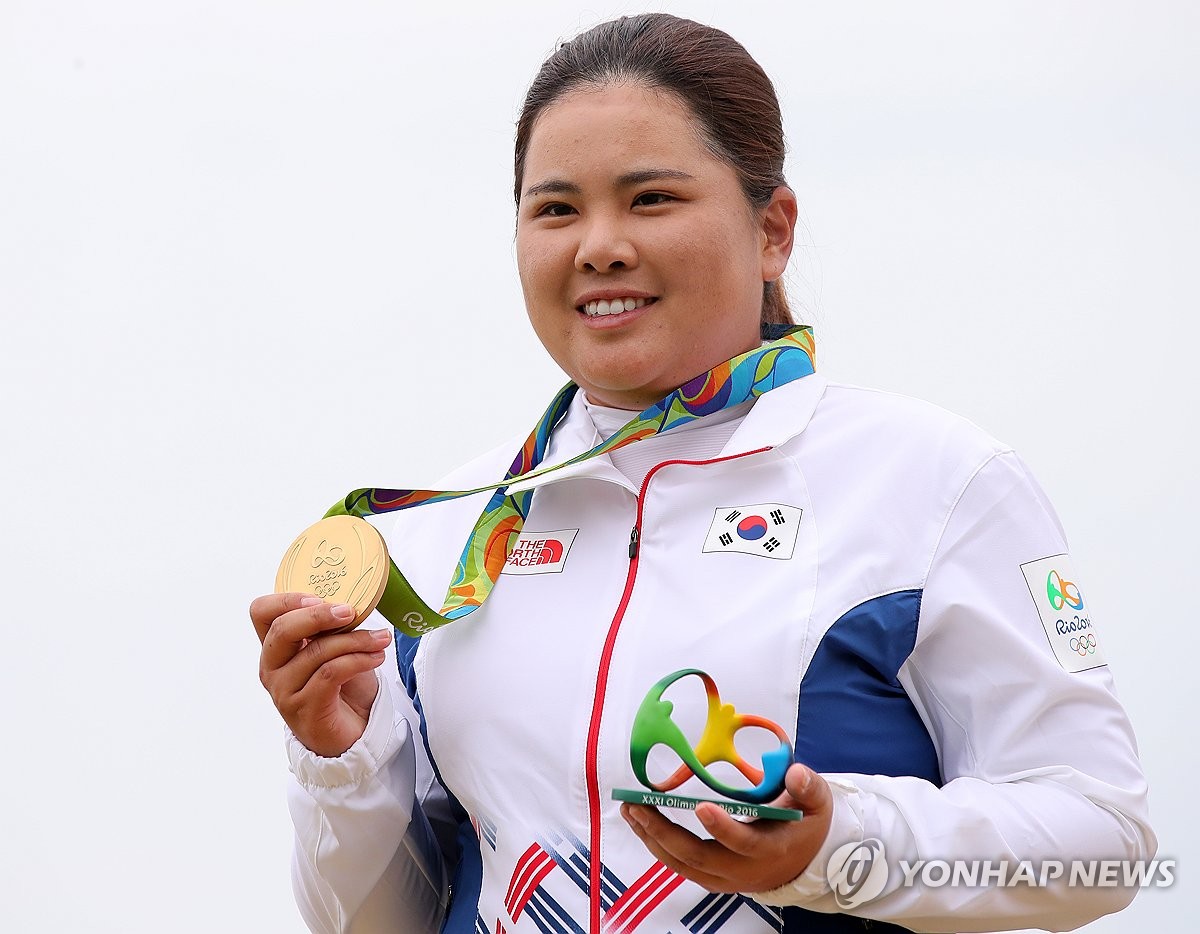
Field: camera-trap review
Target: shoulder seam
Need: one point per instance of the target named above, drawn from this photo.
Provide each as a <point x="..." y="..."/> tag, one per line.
<point x="937" y="544"/>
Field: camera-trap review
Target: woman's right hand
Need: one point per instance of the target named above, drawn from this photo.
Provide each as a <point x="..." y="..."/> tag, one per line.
<point x="322" y="681"/>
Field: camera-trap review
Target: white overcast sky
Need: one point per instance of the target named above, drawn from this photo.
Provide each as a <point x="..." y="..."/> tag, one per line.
<point x="245" y="246"/>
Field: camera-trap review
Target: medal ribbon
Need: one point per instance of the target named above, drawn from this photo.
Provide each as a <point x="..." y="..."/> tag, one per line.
<point x="788" y="357"/>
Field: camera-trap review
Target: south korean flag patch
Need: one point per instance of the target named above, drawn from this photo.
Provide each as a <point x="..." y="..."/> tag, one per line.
<point x="768" y="530"/>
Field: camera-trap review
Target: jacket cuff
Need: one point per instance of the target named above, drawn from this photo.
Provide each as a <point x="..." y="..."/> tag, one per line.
<point x="370" y="753"/>
<point x="846" y="826"/>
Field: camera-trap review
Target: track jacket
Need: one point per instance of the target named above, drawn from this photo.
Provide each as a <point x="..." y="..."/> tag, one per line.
<point x="879" y="577"/>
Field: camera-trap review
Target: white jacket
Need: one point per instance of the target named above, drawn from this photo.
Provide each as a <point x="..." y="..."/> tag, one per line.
<point x="900" y="629"/>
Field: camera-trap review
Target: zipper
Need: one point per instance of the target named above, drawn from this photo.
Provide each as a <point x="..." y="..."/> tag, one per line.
<point x="590" y="766"/>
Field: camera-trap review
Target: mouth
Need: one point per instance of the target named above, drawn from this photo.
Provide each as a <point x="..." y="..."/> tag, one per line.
<point x="605" y="308"/>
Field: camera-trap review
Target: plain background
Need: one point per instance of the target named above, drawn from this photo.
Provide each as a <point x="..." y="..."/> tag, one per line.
<point x="255" y="254"/>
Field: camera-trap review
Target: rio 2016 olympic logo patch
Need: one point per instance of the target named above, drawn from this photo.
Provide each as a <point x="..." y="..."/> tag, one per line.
<point x="1064" y="615"/>
<point x="1062" y="593"/>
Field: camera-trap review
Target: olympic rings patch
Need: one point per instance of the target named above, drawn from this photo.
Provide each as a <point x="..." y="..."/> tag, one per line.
<point x="1084" y="645"/>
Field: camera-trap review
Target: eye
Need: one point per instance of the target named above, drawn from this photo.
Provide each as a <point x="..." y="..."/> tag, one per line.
<point x="651" y="199"/>
<point x="555" y="209"/>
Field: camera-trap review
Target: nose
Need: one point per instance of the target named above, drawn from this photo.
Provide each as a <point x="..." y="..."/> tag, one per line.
<point x="605" y="245"/>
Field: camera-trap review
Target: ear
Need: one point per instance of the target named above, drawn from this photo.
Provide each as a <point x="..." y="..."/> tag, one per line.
<point x="778" y="226"/>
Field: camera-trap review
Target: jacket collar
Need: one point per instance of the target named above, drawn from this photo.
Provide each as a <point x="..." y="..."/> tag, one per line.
<point x="778" y="416"/>
<point x="572" y="436"/>
<point x="775" y="418"/>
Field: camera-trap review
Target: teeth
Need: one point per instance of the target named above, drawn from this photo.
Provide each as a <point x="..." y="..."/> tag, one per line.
<point x="614" y="307"/>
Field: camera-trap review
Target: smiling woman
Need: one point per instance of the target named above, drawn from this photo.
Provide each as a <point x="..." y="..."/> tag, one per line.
<point x="641" y="261"/>
<point x="864" y="572"/>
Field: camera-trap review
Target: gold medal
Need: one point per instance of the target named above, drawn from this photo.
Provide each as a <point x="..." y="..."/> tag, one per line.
<point x="341" y="559"/>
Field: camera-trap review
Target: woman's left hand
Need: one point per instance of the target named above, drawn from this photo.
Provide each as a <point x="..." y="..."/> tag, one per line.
<point x="742" y="857"/>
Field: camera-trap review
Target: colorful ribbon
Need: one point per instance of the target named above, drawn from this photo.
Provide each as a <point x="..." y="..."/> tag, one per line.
<point x="788" y="357"/>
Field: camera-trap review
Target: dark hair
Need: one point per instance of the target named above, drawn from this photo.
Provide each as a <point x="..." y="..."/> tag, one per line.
<point x="716" y="78"/>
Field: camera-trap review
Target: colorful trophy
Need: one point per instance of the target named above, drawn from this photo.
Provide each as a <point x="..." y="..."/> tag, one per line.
<point x="653" y="726"/>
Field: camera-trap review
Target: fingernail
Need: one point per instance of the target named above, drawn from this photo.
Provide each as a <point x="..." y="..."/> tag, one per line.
<point x="343" y="611"/>
<point x="382" y="635"/>
<point x="310" y="601"/>
<point x="706" y="817"/>
<point x="638" y="816"/>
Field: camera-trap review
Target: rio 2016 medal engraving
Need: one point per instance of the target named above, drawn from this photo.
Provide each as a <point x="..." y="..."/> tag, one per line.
<point x="653" y="726"/>
<point x="341" y="559"/>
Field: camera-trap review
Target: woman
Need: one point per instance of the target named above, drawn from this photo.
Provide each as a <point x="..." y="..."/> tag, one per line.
<point x="877" y="576"/>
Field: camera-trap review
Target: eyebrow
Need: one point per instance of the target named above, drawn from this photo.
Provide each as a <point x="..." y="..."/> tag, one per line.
<point x="559" y="186"/>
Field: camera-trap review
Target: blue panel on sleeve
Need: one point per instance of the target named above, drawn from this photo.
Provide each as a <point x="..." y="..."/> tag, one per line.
<point x="854" y="715"/>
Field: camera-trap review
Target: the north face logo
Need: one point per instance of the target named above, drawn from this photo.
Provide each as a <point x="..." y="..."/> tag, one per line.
<point x="540" y="552"/>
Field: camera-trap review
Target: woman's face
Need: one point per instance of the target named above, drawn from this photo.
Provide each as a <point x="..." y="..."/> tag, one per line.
<point x="641" y="260"/>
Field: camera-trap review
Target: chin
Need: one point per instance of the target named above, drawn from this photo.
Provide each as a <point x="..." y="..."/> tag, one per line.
<point x="615" y="394"/>
<point x="622" y="374"/>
